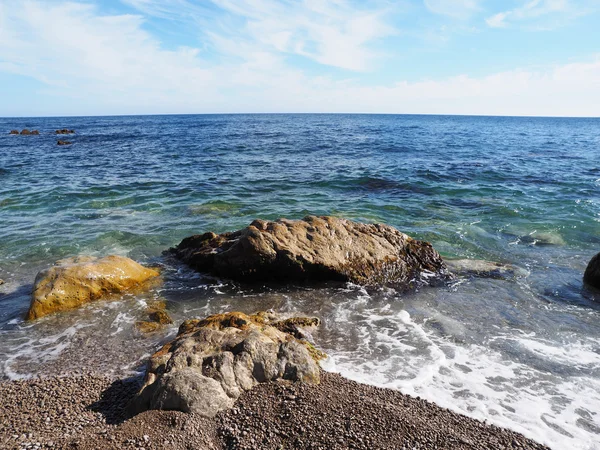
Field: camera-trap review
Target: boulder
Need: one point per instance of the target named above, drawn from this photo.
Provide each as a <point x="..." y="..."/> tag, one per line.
<point x="212" y="361"/>
<point x="14" y="132"/>
<point x="592" y="272"/>
<point x="59" y="142"/>
<point x="26" y="132"/>
<point x="484" y="269"/>
<point x="35" y="132"/>
<point x="65" y="131"/>
<point x="314" y="248"/>
<point x="72" y="282"/>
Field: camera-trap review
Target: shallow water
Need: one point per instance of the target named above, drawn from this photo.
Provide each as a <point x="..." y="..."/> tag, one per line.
<point x="522" y="353"/>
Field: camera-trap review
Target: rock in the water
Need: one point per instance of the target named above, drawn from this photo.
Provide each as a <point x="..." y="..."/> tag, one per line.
<point x="592" y="272"/>
<point x="314" y="248"/>
<point x="26" y="132"/>
<point x="63" y="142"/>
<point x="212" y="361"/>
<point x="65" y="131"/>
<point x="73" y="282"/>
<point x="157" y="318"/>
<point x="14" y="132"/>
<point x="35" y="132"/>
<point x="484" y="269"/>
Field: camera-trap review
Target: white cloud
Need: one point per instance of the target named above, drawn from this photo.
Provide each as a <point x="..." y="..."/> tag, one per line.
<point x="103" y="64"/>
<point x="561" y="11"/>
<point x="459" y="9"/>
<point x="330" y="32"/>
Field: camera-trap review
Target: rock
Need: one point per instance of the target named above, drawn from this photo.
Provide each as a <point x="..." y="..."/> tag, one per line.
<point x="35" y="132"/>
<point x="14" y="132"/>
<point x="592" y="272"/>
<point x="65" y="131"/>
<point x="484" y="269"/>
<point x="1" y="282"/>
<point x="73" y="282"/>
<point x="25" y="132"/>
<point x="314" y="248"/>
<point x="212" y="361"/>
<point x="63" y="142"/>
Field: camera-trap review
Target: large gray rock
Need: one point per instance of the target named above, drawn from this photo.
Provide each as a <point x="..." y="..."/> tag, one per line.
<point x="592" y="272"/>
<point x="314" y="248"/>
<point x="212" y="361"/>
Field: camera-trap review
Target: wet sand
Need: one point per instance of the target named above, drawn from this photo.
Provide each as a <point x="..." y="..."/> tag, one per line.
<point x="89" y="412"/>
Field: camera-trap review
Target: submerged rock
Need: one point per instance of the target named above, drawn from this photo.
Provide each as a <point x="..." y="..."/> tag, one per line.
<point x="35" y="132"/>
<point x="26" y="132"/>
<point x="14" y="132"/>
<point x="64" y="131"/>
<point x="592" y="272"/>
<point x="157" y="318"/>
<point x="72" y="282"/>
<point x="314" y="248"/>
<point x="212" y="361"/>
<point x="484" y="269"/>
<point x="63" y="142"/>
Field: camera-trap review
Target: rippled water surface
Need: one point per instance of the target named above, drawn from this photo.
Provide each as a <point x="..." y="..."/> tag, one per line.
<point x="522" y="353"/>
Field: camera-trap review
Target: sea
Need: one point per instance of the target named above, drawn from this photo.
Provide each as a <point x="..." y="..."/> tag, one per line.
<point x="521" y="352"/>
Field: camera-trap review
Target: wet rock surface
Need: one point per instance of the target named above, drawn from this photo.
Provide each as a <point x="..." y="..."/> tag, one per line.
<point x="314" y="248"/>
<point x="72" y="282"/>
<point x="213" y="360"/>
<point x="591" y="275"/>
<point x="59" y="142"/>
<point x="64" y="131"/>
<point x="90" y="412"/>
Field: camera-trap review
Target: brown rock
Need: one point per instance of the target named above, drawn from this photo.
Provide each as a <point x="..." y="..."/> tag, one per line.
<point x="65" y="131"/>
<point x="63" y="142"/>
<point x="14" y="132"/>
<point x="26" y="132"/>
<point x="73" y="282"/>
<point x="314" y="248"/>
<point x="592" y="272"/>
<point x="212" y="361"/>
<point x="35" y="132"/>
<point x="160" y="317"/>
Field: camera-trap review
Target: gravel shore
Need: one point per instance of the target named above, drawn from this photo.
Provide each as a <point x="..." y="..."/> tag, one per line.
<point x="89" y="412"/>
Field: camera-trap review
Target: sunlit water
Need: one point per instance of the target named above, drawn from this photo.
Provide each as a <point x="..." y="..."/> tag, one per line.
<point x="522" y="353"/>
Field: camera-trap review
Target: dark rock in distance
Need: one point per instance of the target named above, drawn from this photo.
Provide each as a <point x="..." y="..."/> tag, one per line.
<point x="592" y="272"/>
<point x="65" y="131"/>
<point x="14" y="132"/>
<point x="315" y="249"/>
<point x="25" y="132"/>
<point x="63" y="143"/>
<point x="35" y="132"/>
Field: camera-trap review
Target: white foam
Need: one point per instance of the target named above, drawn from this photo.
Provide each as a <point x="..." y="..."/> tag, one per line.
<point x="393" y="351"/>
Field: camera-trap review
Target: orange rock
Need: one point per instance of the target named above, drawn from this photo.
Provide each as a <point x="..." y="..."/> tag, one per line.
<point x="73" y="282"/>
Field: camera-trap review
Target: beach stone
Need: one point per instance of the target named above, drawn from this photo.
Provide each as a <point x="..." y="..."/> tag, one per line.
<point x="213" y="360"/>
<point x="484" y="269"/>
<point x="73" y="282"/>
<point x="592" y="272"/>
<point x="59" y="142"/>
<point x="314" y="248"/>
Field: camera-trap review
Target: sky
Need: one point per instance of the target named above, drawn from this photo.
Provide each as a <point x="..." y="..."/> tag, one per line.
<point x="480" y="57"/>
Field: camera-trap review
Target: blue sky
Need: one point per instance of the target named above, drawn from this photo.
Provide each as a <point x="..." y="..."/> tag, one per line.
<point x="93" y="57"/>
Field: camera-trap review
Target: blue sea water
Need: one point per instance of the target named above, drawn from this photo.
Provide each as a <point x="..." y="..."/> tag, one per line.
<point x="522" y="352"/>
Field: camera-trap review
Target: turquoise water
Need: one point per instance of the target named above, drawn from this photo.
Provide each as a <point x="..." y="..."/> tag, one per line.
<point x="522" y="353"/>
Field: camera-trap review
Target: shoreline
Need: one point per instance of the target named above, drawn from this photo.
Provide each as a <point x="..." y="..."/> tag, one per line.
<point x="89" y="411"/>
